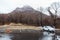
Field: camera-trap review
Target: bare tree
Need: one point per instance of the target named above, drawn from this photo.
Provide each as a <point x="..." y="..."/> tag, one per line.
<point x="41" y="10"/>
<point x="54" y="7"/>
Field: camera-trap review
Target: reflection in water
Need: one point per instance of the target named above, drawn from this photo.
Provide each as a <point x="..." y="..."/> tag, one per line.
<point x="58" y="37"/>
<point x="48" y="33"/>
<point x="5" y="37"/>
<point x="47" y="36"/>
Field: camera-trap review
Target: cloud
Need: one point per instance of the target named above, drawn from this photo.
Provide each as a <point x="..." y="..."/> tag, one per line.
<point x="9" y="5"/>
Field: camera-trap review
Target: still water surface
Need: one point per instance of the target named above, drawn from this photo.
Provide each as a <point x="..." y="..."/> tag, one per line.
<point x="46" y="36"/>
<point x="5" y="37"/>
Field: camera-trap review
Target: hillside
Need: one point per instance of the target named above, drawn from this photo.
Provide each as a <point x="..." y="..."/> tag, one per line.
<point x="28" y="15"/>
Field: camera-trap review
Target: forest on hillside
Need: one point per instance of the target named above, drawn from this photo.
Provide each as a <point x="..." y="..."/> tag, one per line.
<point x="30" y="16"/>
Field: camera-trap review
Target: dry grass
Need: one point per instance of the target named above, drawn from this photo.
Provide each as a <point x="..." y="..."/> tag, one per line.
<point x="19" y="26"/>
<point x="14" y="24"/>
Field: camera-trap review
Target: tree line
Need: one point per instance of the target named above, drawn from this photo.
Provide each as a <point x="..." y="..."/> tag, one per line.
<point x="25" y="18"/>
<point x="32" y="17"/>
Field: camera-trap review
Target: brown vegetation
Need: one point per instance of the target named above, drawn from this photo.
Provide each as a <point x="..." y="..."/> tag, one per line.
<point x="25" y="17"/>
<point x="30" y="17"/>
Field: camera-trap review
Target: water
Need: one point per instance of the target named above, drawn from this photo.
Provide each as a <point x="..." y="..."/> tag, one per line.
<point x="58" y="37"/>
<point x="48" y="36"/>
<point x="31" y="36"/>
<point x="5" y="37"/>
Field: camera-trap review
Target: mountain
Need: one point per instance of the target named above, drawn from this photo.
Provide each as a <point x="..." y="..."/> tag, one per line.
<point x="23" y="9"/>
<point x="27" y="9"/>
<point x="28" y="15"/>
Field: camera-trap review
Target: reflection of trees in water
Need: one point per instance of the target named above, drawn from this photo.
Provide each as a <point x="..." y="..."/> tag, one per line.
<point x="48" y="36"/>
<point x="5" y="37"/>
<point x="26" y="36"/>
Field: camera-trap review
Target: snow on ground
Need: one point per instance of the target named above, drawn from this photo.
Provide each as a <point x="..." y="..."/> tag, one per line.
<point x="49" y="28"/>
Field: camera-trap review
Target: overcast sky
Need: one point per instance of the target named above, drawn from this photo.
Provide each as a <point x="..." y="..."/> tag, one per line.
<point x="9" y="5"/>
